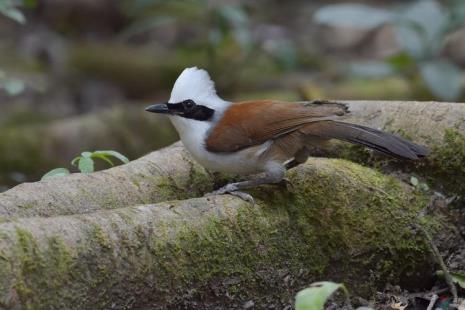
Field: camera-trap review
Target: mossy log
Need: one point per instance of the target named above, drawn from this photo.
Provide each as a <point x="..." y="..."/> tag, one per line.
<point x="438" y="125"/>
<point x="122" y="238"/>
<point x="339" y="221"/>
<point x="422" y="121"/>
<point x="35" y="149"/>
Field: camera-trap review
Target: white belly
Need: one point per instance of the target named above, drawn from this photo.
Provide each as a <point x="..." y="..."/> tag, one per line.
<point x="242" y="162"/>
<point x="193" y="133"/>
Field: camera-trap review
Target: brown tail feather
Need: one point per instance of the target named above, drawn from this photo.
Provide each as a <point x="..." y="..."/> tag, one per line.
<point x="375" y="139"/>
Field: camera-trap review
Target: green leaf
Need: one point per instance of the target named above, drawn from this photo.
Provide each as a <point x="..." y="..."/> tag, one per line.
<point x="401" y="61"/>
<point x="424" y="187"/>
<point x="414" y="181"/>
<point x="13" y="87"/>
<point x="58" y="172"/>
<point x="115" y="154"/>
<point x="429" y="16"/>
<point x="352" y="15"/>
<point x="86" y="165"/>
<point x="14" y="14"/>
<point x="103" y="157"/>
<point x="315" y="297"/>
<point x="86" y="154"/>
<point x="457" y="277"/>
<point x="443" y="78"/>
<point x="410" y="39"/>
<point x="370" y="69"/>
<point x="75" y="160"/>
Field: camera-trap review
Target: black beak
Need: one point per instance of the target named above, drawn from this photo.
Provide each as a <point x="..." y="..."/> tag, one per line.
<point x="158" y="108"/>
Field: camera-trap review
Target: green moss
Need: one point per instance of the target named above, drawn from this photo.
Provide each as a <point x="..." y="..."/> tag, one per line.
<point x="339" y="221"/>
<point x="100" y="236"/>
<point x="198" y="183"/>
<point x="318" y="234"/>
<point x="446" y="164"/>
<point x="443" y="169"/>
<point x="41" y="270"/>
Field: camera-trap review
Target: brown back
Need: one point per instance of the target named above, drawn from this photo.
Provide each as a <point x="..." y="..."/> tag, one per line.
<point x="250" y="123"/>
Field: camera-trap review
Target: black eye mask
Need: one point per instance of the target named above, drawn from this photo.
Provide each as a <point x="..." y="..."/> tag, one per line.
<point x="189" y="109"/>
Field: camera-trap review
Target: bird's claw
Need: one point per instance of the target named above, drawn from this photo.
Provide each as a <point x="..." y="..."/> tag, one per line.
<point x="244" y="196"/>
<point x="232" y="190"/>
<point x="287" y="183"/>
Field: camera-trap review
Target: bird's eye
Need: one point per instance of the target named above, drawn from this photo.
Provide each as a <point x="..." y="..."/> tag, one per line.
<point x="189" y="104"/>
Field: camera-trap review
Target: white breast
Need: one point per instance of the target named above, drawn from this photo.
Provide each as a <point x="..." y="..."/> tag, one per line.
<point x="193" y="133"/>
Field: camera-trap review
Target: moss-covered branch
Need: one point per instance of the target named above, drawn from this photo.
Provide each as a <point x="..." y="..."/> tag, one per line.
<point x="163" y="175"/>
<point x="107" y="239"/>
<point x="439" y="125"/>
<point x="421" y="121"/>
<point x="340" y="222"/>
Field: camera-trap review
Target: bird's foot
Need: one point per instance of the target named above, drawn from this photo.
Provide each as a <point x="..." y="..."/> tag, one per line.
<point x="232" y="189"/>
<point x="287" y="183"/>
<point x="244" y="196"/>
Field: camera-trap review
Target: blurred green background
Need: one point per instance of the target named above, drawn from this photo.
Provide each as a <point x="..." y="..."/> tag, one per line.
<point x="76" y="75"/>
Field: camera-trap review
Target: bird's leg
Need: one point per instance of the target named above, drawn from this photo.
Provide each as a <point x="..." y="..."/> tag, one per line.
<point x="274" y="174"/>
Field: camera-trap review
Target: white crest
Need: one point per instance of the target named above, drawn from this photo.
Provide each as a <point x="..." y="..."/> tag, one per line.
<point x="196" y="84"/>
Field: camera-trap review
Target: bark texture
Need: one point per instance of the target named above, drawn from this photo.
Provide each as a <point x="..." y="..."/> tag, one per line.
<point x="422" y="121"/>
<point x="438" y="125"/>
<point x="340" y="221"/>
<point x="124" y="238"/>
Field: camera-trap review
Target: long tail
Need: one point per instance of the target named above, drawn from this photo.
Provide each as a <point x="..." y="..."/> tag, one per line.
<point x="375" y="139"/>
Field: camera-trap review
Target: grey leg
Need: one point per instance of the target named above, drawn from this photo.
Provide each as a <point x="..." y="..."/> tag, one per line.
<point x="274" y="174"/>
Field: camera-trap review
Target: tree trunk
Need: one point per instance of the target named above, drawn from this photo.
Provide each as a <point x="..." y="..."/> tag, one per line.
<point x="123" y="238"/>
<point x="339" y="221"/>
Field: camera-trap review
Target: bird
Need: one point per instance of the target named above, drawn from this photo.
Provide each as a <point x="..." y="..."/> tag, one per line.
<point x="261" y="139"/>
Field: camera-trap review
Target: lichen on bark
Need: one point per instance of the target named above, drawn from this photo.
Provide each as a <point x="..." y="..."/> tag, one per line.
<point x="337" y="222"/>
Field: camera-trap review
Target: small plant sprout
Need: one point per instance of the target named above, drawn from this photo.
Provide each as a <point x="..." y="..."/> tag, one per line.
<point x="315" y="296"/>
<point x="85" y="163"/>
<point x="418" y="185"/>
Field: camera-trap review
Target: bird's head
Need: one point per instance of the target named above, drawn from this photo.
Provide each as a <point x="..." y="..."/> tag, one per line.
<point x="193" y="97"/>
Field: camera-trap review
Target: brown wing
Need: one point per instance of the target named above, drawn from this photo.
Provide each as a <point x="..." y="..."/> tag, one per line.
<point x="249" y="123"/>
